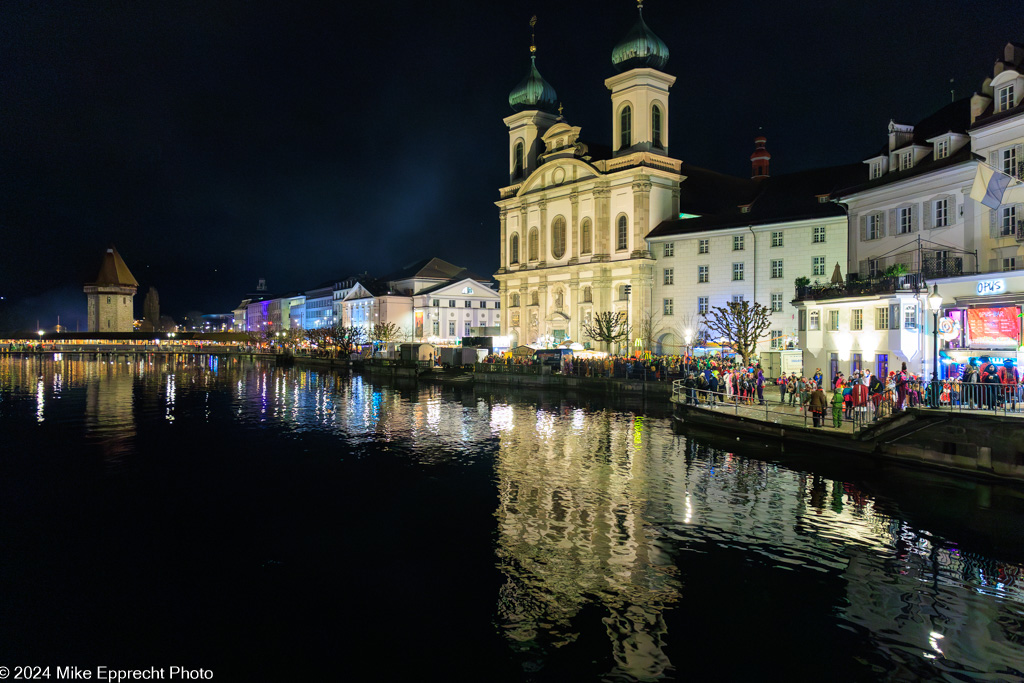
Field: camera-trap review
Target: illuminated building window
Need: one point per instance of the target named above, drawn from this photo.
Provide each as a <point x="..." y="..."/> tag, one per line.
<point x="656" y="126"/>
<point x="558" y="237"/>
<point x="626" y="127"/>
<point x="585" y="236"/>
<point x="623" y="234"/>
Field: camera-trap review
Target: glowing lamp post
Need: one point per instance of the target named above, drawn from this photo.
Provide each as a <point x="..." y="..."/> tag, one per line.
<point x="934" y="304"/>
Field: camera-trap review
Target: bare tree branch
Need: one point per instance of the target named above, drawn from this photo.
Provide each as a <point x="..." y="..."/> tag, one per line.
<point x="608" y="327"/>
<point x="741" y="324"/>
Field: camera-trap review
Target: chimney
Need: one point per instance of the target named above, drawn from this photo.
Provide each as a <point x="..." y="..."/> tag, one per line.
<point x="760" y="158"/>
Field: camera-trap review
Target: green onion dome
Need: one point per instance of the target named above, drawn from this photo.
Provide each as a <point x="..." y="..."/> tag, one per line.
<point x="533" y="92"/>
<point x="640" y="48"/>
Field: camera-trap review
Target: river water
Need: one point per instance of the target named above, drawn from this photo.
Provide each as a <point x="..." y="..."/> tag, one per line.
<point x="295" y="525"/>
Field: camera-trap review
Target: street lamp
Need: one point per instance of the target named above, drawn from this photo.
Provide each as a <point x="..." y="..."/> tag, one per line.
<point x="934" y="303"/>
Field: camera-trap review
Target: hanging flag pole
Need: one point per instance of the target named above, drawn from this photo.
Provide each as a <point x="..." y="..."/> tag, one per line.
<point x="990" y="186"/>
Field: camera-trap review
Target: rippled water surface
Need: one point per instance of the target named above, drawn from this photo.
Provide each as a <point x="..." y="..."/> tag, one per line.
<point x="298" y="525"/>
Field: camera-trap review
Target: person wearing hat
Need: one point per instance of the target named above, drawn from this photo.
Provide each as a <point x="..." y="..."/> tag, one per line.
<point x="990" y="378"/>
<point x="837" y="405"/>
<point x="816" y="402"/>
<point x="1009" y="378"/>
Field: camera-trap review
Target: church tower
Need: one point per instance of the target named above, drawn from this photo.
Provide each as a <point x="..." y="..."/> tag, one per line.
<point x="111" y="296"/>
<point x="640" y="91"/>
<point x="535" y="102"/>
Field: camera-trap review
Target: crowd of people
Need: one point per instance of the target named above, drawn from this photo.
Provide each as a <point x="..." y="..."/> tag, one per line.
<point x="863" y="395"/>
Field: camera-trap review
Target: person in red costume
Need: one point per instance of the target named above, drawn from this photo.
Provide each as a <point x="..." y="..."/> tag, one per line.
<point x="1009" y="377"/>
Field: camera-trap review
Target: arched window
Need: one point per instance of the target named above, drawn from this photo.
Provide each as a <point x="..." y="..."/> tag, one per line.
<point x="585" y="236"/>
<point x="656" y="126"/>
<point x="517" y="161"/>
<point x="622" y="241"/>
<point x="626" y="126"/>
<point x="588" y="295"/>
<point x="558" y="237"/>
<point x="534" y="298"/>
<point x="513" y="252"/>
<point x="534" y="241"/>
<point x="515" y="300"/>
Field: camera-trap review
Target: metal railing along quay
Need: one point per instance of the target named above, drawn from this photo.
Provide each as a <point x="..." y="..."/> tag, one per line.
<point x="997" y="399"/>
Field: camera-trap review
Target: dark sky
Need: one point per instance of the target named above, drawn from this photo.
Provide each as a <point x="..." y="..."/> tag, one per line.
<point x="218" y="142"/>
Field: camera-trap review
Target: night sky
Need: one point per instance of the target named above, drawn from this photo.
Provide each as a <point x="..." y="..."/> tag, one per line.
<point x="215" y="143"/>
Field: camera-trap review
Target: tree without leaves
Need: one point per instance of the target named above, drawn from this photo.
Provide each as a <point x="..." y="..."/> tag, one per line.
<point x="694" y="324"/>
<point x="608" y="328"/>
<point x="648" y="328"/>
<point x="384" y="332"/>
<point x="741" y="324"/>
<point x="347" y="337"/>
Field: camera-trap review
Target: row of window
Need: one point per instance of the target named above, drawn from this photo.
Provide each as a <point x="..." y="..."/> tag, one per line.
<point x="558" y="239"/>
<point x="626" y="126"/>
<point x="738" y="271"/>
<point x="884" y="317"/>
<point x="465" y="304"/>
<point x="904" y="218"/>
<point x="587" y="297"/>
<point x="739" y="242"/>
<point x="451" y="328"/>
<point x="668" y="304"/>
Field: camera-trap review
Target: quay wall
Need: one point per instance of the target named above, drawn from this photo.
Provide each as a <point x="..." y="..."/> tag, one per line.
<point x="976" y="444"/>
<point x="598" y="385"/>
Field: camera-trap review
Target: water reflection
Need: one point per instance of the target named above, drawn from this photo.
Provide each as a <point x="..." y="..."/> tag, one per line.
<point x="571" y="534"/>
<point x="603" y="520"/>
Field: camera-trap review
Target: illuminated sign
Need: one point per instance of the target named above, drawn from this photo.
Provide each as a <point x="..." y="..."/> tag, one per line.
<point x="994" y="328"/>
<point x="986" y="287"/>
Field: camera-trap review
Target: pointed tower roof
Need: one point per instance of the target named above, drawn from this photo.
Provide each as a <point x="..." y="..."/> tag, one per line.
<point x="533" y="92"/>
<point x="114" y="271"/>
<point x="640" y="47"/>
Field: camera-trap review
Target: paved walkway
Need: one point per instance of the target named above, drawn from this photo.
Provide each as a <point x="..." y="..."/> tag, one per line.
<point x="783" y="413"/>
<point x="779" y="414"/>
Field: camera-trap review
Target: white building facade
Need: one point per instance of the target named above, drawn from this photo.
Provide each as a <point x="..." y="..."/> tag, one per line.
<point x="573" y="221"/>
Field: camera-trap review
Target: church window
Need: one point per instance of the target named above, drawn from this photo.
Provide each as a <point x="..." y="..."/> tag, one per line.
<point x="534" y="299"/>
<point x="588" y="295"/>
<point x="626" y="126"/>
<point x="622" y="242"/>
<point x="534" y="241"/>
<point x="514" y="249"/>
<point x="585" y="237"/>
<point x="515" y="300"/>
<point x="108" y="299"/>
<point x="517" y="162"/>
<point x="558" y="237"/>
<point x="656" y="126"/>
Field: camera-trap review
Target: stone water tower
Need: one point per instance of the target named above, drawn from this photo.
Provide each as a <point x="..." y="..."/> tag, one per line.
<point x="111" y="296"/>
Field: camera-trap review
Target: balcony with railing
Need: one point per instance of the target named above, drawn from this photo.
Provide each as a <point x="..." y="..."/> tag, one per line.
<point x="913" y="283"/>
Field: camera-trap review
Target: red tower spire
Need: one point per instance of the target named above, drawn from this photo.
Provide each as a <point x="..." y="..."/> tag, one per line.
<point x="760" y="158"/>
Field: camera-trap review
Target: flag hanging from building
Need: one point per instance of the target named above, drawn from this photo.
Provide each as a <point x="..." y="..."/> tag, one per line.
<point x="989" y="186"/>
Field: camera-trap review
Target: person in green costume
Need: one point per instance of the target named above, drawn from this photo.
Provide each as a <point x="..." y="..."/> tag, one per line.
<point x="837" y="406"/>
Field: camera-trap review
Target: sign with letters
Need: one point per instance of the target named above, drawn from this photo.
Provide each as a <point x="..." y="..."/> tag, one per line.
<point x="994" y="328"/>
<point x="986" y="287"/>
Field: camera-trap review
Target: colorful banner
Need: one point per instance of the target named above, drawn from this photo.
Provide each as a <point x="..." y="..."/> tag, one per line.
<point x="994" y="328"/>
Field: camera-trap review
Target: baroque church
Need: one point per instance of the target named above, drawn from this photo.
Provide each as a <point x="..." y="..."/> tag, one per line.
<point x="574" y="216"/>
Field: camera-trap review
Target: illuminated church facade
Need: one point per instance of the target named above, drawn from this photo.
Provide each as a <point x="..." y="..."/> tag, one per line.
<point x="574" y="217"/>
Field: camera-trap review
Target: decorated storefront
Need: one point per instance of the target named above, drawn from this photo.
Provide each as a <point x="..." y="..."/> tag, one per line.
<point x="980" y="321"/>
